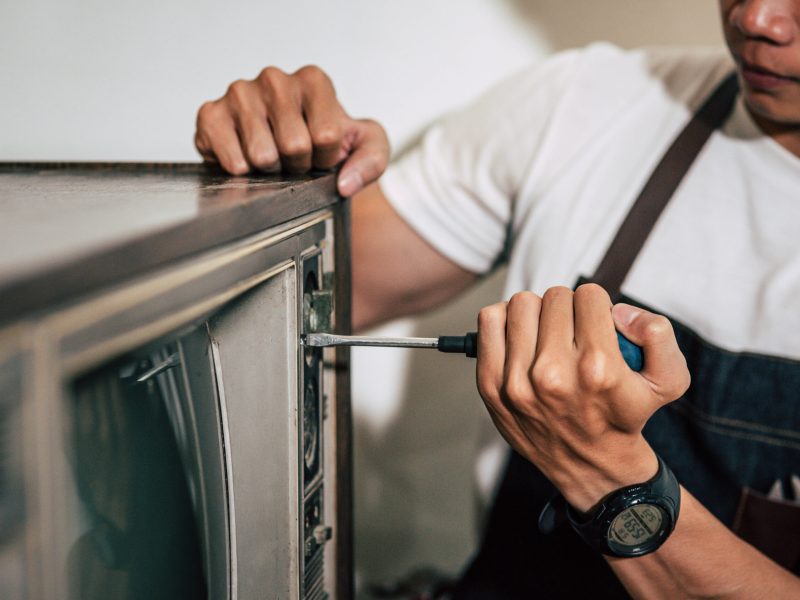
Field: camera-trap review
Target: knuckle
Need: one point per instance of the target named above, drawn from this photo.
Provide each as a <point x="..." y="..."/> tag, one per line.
<point x="591" y="291"/>
<point x="549" y="378"/>
<point x="658" y="328"/>
<point x="486" y="388"/>
<point x="523" y="299"/>
<point x="516" y="389"/>
<point x="296" y="146"/>
<point x="490" y="316"/>
<point x="681" y="383"/>
<point x="328" y="135"/>
<point x="271" y="77"/>
<point x="371" y="167"/>
<point x="238" y="89"/>
<point x="375" y="128"/>
<point x="595" y="371"/>
<point x="206" y="112"/>
<point x="200" y="142"/>
<point x="312" y="73"/>
<point x="557" y="292"/>
<point x="235" y="164"/>
<point x="687" y="381"/>
<point x="262" y="157"/>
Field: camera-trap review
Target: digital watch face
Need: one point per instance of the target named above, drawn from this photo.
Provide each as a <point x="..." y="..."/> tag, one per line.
<point x="635" y="527"/>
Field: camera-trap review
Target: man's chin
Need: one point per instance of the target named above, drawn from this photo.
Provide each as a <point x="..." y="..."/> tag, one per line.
<point x="773" y="112"/>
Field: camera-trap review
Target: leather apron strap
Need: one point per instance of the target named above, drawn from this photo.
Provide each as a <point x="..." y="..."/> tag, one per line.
<point x="661" y="186"/>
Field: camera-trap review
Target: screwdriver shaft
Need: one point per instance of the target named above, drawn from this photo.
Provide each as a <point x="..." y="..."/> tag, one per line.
<point x="320" y="340"/>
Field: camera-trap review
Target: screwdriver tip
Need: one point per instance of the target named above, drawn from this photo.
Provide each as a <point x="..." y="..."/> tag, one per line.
<point x="317" y="340"/>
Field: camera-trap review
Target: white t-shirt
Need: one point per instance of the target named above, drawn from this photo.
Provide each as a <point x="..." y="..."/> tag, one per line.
<point x="555" y="156"/>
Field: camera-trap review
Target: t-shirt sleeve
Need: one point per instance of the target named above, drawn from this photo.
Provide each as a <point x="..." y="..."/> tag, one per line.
<point x="457" y="186"/>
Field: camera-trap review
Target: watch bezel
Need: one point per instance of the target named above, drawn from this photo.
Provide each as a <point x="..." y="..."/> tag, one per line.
<point x="623" y="503"/>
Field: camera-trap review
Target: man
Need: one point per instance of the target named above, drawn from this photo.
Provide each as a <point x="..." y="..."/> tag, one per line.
<point x="554" y="158"/>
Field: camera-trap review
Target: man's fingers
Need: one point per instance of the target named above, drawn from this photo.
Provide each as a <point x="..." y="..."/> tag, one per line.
<point x="556" y="325"/>
<point x="204" y="148"/>
<point x="225" y="146"/>
<point x="326" y="138"/>
<point x="244" y="102"/>
<point x="290" y="122"/>
<point x="324" y="115"/>
<point x="259" y="145"/>
<point x="216" y="138"/>
<point x="254" y="132"/>
<point x="600" y="361"/>
<point x="368" y="146"/>
<point x="283" y="98"/>
<point x="291" y="138"/>
<point x="507" y="332"/>
<point x="522" y="327"/>
<point x="492" y="358"/>
<point x="664" y="364"/>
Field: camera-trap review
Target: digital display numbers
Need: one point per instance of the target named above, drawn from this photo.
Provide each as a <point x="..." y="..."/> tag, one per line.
<point x="636" y="525"/>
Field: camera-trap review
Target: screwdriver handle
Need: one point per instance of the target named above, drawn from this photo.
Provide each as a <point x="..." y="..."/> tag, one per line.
<point x="468" y="344"/>
<point x="631" y="353"/>
<point x="460" y="344"/>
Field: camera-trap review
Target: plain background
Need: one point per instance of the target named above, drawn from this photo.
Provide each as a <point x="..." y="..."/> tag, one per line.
<point x="111" y="80"/>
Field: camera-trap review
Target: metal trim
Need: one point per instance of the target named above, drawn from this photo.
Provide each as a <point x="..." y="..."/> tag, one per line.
<point x="142" y="335"/>
<point x="88" y="312"/>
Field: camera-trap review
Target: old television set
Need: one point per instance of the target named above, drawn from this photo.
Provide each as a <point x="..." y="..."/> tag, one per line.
<point x="162" y="432"/>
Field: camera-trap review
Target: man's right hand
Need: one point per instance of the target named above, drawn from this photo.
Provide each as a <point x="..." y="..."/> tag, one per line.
<point x="293" y="123"/>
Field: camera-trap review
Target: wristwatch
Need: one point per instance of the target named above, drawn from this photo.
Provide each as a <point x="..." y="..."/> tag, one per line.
<point x="633" y="520"/>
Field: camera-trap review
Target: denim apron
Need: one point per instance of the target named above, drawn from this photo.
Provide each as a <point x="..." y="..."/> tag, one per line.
<point x="736" y="430"/>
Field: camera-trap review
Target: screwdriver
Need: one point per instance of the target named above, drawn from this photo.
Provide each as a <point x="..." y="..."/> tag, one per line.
<point x="456" y="344"/>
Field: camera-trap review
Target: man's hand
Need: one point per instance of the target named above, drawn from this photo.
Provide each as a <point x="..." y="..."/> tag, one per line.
<point x="556" y="385"/>
<point x="281" y="122"/>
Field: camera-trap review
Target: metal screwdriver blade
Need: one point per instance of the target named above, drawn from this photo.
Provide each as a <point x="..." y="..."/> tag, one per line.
<point x="321" y="340"/>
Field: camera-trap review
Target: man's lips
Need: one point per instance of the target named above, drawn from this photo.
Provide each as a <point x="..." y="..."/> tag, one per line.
<point x="762" y="78"/>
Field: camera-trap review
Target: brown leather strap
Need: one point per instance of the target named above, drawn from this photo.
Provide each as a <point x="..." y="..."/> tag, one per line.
<point x="661" y="186"/>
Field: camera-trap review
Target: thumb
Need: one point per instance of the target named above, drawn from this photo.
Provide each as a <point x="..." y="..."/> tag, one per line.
<point x="664" y="364"/>
<point x="367" y="160"/>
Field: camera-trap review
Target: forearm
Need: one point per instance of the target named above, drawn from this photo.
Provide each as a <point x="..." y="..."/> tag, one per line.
<point x="704" y="559"/>
<point x="395" y="271"/>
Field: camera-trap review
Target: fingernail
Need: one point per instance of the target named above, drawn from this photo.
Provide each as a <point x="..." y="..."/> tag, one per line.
<point x="625" y="313"/>
<point x="350" y="183"/>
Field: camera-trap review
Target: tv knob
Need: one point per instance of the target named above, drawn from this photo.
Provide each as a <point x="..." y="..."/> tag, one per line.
<point x="322" y="534"/>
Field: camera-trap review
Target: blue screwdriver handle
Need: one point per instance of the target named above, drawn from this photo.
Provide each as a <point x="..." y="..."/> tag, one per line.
<point x="630" y="352"/>
<point x="468" y="344"/>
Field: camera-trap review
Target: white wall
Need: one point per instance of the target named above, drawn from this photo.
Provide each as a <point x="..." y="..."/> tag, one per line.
<point x="111" y="80"/>
<point x="104" y="79"/>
